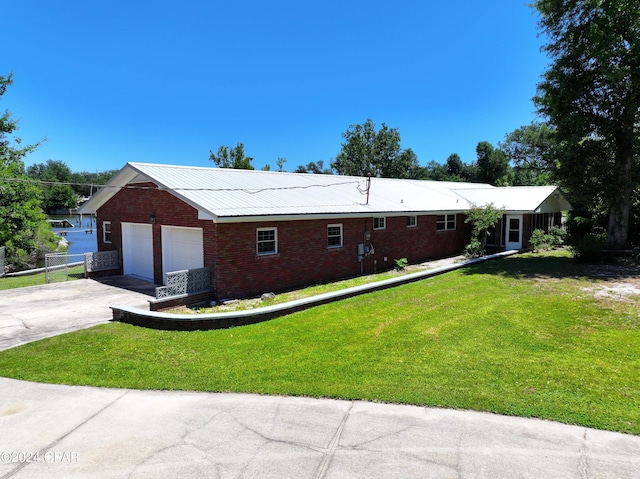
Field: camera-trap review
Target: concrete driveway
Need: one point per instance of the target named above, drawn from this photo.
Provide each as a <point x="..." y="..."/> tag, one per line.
<point x="80" y="432"/>
<point x="36" y="312"/>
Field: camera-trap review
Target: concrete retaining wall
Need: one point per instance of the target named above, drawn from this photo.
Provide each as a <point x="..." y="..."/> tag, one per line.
<point x="186" y="322"/>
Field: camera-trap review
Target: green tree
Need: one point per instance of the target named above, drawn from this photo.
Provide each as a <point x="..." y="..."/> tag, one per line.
<point x="314" y="167"/>
<point x="482" y="219"/>
<point x="531" y="149"/>
<point x="367" y="151"/>
<point x="84" y="183"/>
<point x="455" y="166"/>
<point x="280" y="164"/>
<point x="228" y="157"/>
<point x="492" y="164"/>
<point x="56" y="177"/>
<point x="435" y="171"/>
<point x="23" y="229"/>
<point x="590" y="94"/>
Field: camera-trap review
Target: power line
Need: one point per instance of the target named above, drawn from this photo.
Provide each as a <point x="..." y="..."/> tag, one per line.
<point x="160" y="188"/>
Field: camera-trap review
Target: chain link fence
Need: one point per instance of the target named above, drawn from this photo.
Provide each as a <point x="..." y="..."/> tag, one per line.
<point x="62" y="266"/>
<point x="2" y="250"/>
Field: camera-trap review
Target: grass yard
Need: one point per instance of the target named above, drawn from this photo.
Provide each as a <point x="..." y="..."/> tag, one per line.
<point x="533" y="335"/>
<point x="11" y="282"/>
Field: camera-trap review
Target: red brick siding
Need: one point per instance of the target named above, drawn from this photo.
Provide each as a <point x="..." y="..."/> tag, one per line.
<point x="303" y="257"/>
<point x="136" y="205"/>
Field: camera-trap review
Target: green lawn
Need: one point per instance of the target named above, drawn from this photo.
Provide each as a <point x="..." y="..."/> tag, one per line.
<point x="516" y="336"/>
<point x="11" y="282"/>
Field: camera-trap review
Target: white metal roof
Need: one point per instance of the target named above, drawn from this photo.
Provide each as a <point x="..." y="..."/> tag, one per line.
<point x="518" y="199"/>
<point x="243" y="195"/>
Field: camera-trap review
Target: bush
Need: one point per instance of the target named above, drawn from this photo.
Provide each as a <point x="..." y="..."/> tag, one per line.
<point x="401" y="263"/>
<point x="474" y="249"/>
<point x="590" y="248"/>
<point x="558" y="235"/>
<point x="541" y="241"/>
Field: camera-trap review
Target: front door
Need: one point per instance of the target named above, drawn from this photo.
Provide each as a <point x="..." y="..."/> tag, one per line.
<point x="514" y="232"/>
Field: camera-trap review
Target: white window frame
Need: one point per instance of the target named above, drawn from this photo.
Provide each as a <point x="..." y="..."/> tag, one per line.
<point x="264" y="241"/>
<point x="340" y="236"/>
<point x="106" y="232"/>
<point x="412" y="221"/>
<point x="382" y="222"/>
<point x="443" y="225"/>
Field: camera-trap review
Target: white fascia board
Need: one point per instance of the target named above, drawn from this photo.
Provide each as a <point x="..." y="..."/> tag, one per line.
<point x="108" y="190"/>
<point x="327" y="216"/>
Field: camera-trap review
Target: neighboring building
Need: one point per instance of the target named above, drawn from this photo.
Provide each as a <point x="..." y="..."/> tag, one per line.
<point x="264" y="231"/>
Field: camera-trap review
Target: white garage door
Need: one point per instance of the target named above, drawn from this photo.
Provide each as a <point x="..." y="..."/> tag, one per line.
<point x="182" y="248"/>
<point x="137" y="250"/>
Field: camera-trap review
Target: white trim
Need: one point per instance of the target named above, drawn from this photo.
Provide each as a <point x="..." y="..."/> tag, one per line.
<point x="275" y="240"/>
<point x="384" y="223"/>
<point x="509" y="245"/>
<point x="335" y="225"/>
<point x="104" y="232"/>
<point x="446" y="222"/>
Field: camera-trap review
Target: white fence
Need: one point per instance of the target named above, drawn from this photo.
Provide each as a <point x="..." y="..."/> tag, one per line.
<point x="187" y="281"/>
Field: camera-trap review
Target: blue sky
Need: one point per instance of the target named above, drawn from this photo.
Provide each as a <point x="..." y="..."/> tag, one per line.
<point x="165" y="82"/>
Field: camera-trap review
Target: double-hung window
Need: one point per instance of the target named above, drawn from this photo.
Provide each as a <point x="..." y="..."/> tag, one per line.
<point x="379" y="223"/>
<point x="267" y="241"/>
<point x="445" y="222"/>
<point x="412" y="221"/>
<point x="106" y="232"/>
<point x="334" y="236"/>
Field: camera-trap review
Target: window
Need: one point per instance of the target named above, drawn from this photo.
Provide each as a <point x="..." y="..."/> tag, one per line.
<point x="267" y="241"/>
<point x="379" y="223"/>
<point x="445" y="222"/>
<point x="412" y="221"/>
<point x="106" y="232"/>
<point x="334" y="236"/>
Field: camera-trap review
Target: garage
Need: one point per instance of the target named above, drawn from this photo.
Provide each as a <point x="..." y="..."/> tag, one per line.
<point x="137" y="250"/>
<point x="182" y="248"/>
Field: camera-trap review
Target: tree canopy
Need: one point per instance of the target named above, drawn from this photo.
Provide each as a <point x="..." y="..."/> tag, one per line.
<point x="228" y="157"/>
<point x="367" y="151"/>
<point x="23" y="229"/>
<point x="56" y="189"/>
<point x="314" y="167"/>
<point x="590" y="95"/>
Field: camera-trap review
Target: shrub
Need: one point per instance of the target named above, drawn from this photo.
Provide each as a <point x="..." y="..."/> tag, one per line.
<point x="558" y="235"/>
<point x="474" y="249"/>
<point x="401" y="263"/>
<point x="589" y="248"/>
<point x="540" y="241"/>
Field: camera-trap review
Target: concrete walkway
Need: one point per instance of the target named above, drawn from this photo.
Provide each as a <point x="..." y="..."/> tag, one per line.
<point x="84" y="432"/>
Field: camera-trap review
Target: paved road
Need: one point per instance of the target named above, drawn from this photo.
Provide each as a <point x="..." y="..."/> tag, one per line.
<point x="82" y="432"/>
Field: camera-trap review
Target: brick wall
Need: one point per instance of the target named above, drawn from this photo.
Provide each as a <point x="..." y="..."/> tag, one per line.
<point x="137" y="205"/>
<point x="303" y="257"/>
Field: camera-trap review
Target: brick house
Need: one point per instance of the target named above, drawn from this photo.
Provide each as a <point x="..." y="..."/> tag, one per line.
<point x="263" y="231"/>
